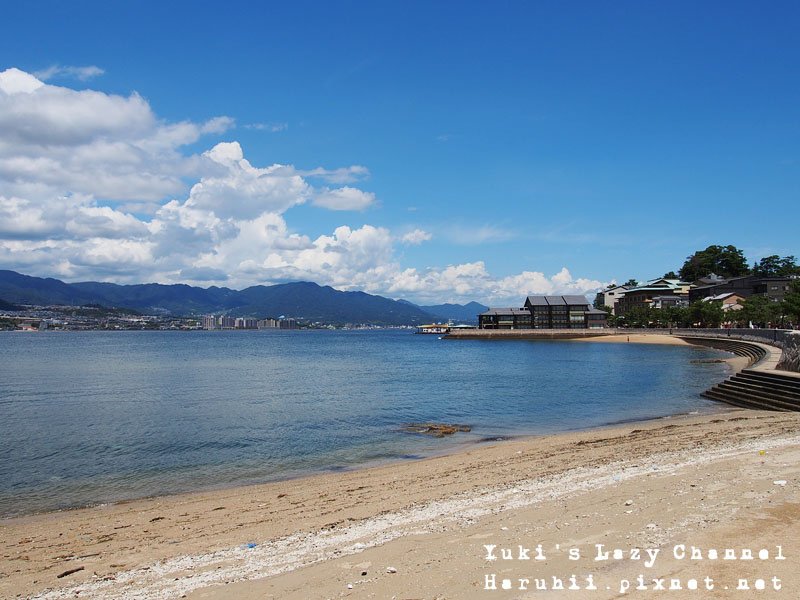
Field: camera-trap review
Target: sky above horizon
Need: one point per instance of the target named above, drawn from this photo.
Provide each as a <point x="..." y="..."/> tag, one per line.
<point x="433" y="151"/>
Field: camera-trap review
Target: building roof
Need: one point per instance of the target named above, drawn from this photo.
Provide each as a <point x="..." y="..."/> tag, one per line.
<point x="575" y="300"/>
<point x="571" y="300"/>
<point x="655" y="288"/>
<point x="505" y="312"/>
<point x="720" y="296"/>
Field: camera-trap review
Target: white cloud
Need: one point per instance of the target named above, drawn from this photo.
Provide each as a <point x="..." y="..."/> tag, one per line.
<point x="242" y="191"/>
<point x="416" y="237"/>
<point x="341" y="175"/>
<point x="80" y="73"/>
<point x="14" y="81"/>
<point x="271" y="127"/>
<point x="344" y="198"/>
<point x="471" y="281"/>
<point x="96" y="186"/>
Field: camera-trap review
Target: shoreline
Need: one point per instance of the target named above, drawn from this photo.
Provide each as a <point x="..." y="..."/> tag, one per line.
<point x="208" y="531"/>
<point x="201" y="538"/>
<point x="734" y="363"/>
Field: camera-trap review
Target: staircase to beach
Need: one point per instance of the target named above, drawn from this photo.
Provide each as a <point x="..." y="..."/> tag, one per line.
<point x="761" y="388"/>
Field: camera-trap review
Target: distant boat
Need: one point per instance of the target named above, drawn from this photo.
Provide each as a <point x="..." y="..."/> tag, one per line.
<point x="438" y="328"/>
<point x="433" y="328"/>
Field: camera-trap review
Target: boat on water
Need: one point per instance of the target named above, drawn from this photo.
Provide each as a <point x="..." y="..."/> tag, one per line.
<point x="433" y="328"/>
<point x="442" y="328"/>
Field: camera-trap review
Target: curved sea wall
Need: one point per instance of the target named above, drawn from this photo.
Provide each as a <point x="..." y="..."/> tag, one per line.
<point x="790" y="360"/>
<point x="788" y="341"/>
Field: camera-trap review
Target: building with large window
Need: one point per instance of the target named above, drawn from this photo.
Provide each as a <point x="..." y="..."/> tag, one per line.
<point x="545" y="312"/>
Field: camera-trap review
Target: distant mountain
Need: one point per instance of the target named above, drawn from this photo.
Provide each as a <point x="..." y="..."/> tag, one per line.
<point x="7" y="305"/>
<point x="303" y="300"/>
<point x="467" y="313"/>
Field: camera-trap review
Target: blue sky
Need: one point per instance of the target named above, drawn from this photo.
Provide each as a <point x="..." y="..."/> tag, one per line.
<point x="443" y="151"/>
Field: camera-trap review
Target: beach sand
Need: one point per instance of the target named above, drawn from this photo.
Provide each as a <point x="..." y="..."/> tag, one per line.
<point x="635" y="338"/>
<point x="707" y="481"/>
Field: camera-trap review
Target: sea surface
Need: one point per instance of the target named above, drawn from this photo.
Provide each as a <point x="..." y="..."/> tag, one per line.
<point x="94" y="417"/>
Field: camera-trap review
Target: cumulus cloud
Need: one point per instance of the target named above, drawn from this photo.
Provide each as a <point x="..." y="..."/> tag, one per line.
<point x="344" y="198"/>
<point x="470" y="281"/>
<point x="416" y="237"/>
<point x="242" y="191"/>
<point x="97" y="186"/>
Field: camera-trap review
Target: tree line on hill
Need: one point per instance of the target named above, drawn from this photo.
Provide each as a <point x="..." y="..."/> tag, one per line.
<point x="757" y="310"/>
<point x="728" y="262"/>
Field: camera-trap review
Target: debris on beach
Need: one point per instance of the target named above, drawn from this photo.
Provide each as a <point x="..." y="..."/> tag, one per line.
<point x="391" y="570"/>
<point x="70" y="572"/>
<point x="436" y="429"/>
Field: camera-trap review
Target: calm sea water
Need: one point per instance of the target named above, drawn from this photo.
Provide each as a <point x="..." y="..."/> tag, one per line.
<point x="96" y="417"/>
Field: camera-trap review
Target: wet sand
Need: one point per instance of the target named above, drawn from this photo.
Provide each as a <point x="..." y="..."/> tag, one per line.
<point x="697" y="480"/>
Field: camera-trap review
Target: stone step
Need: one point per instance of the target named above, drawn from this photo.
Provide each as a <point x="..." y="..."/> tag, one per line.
<point x="771" y="376"/>
<point x="744" y="402"/>
<point x="728" y="386"/>
<point x="765" y="384"/>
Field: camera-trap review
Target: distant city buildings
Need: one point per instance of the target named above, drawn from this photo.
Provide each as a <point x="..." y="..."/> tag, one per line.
<point x="211" y="322"/>
<point x="545" y="312"/>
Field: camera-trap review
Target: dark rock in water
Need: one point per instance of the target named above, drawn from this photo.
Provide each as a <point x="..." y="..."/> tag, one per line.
<point x="436" y="429"/>
<point x="707" y="361"/>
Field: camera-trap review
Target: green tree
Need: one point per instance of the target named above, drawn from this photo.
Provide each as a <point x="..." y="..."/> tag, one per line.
<point x="775" y="266"/>
<point x="670" y="275"/>
<point x="705" y="314"/>
<point x="631" y="283"/>
<point x="726" y="261"/>
<point x="760" y="310"/>
<point x="711" y="314"/>
<point x="639" y="316"/>
<point x="791" y="302"/>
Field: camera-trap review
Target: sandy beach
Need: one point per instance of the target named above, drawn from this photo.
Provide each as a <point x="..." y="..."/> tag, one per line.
<point x="561" y="505"/>
<point x="419" y="529"/>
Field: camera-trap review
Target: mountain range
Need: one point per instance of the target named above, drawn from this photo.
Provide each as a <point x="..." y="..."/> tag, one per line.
<point x="302" y="300"/>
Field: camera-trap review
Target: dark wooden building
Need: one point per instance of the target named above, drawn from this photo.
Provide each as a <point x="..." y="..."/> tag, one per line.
<point x="545" y="312"/>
